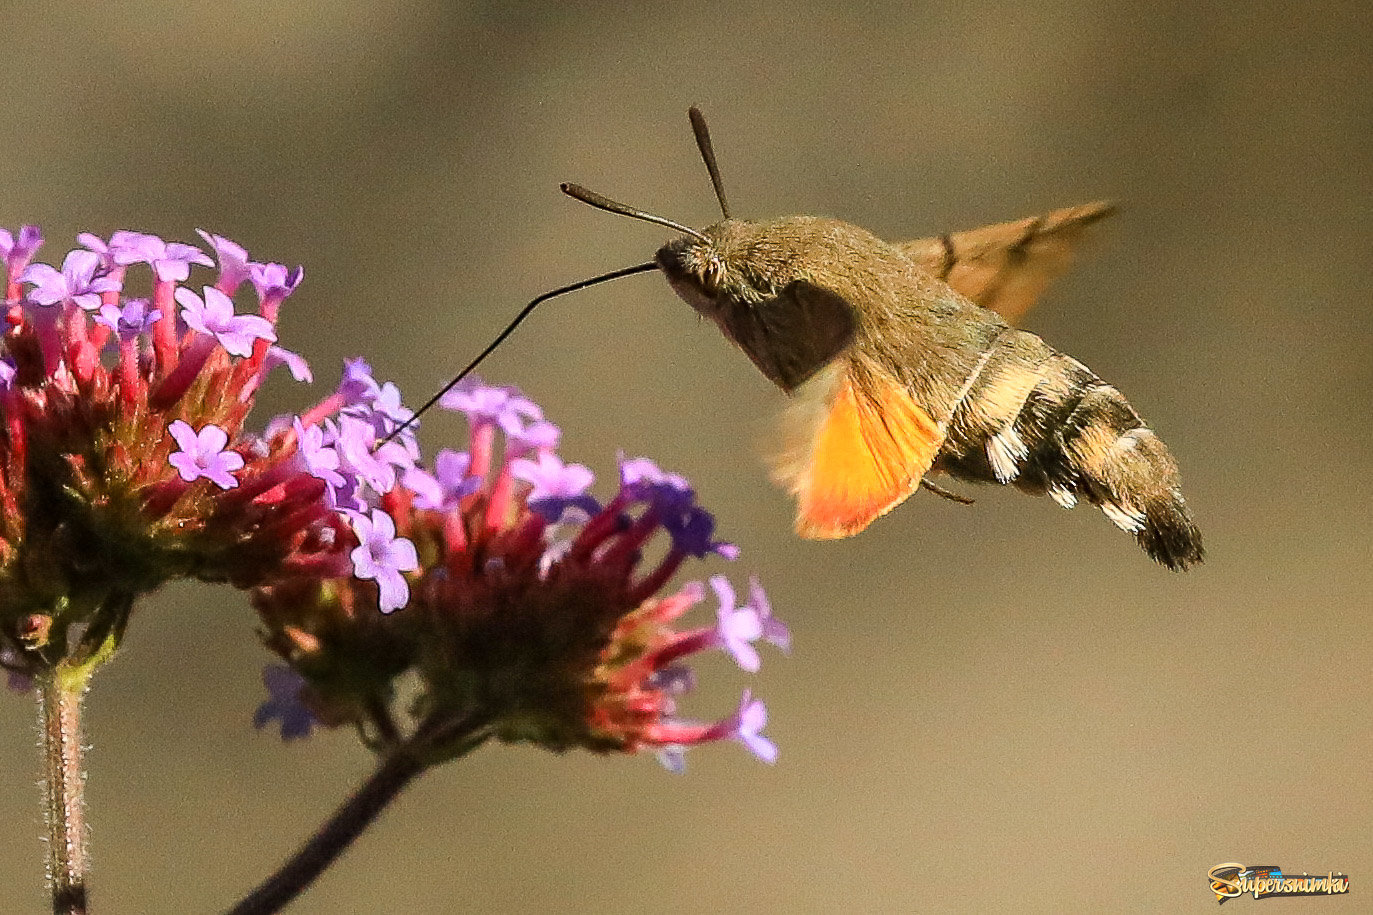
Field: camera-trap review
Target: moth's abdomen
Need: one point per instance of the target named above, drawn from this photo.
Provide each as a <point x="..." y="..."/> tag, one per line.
<point x="1046" y="423"/>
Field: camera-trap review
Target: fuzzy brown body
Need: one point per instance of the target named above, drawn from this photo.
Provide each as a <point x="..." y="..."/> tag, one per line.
<point x="864" y="321"/>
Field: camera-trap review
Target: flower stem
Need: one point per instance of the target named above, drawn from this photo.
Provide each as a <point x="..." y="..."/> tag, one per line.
<point x="60" y="691"/>
<point x="334" y="837"/>
<point x="436" y="740"/>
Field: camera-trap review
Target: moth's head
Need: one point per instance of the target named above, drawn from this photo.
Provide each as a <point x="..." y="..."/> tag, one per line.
<point x="699" y="266"/>
<point x="711" y="267"/>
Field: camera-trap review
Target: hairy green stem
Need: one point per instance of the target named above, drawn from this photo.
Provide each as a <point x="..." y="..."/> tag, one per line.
<point x="60" y="693"/>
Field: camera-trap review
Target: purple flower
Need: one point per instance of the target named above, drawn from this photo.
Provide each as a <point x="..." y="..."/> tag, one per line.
<point x="273" y="281"/>
<point x="16" y="252"/>
<point x="284" y="687"/>
<point x="673" y="758"/>
<point x="774" y="630"/>
<point x="676" y="679"/>
<point x="557" y="486"/>
<point x="737" y="627"/>
<point x="644" y="481"/>
<point x="691" y="534"/>
<point x="7" y="372"/>
<point x="383" y="409"/>
<point x="382" y="557"/>
<point x="76" y="282"/>
<point x="354" y="439"/>
<point x="128" y="322"/>
<point x="320" y="460"/>
<point x="540" y="435"/>
<point x="171" y="263"/>
<point x="748" y="726"/>
<point x="233" y="261"/>
<point x="449" y="483"/>
<point x="484" y="404"/>
<point x="299" y="368"/>
<point x="215" y="316"/>
<point x="400" y="453"/>
<point x="357" y="386"/>
<point x="202" y="454"/>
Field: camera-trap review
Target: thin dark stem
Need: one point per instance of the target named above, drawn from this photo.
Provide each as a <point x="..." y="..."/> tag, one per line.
<point x="64" y="781"/>
<point x="397" y="770"/>
<point x="334" y="837"/>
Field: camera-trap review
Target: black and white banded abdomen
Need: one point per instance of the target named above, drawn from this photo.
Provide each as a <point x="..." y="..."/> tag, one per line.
<point x="1043" y="421"/>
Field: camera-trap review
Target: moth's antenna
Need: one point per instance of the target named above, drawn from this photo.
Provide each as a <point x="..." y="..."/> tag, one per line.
<point x="698" y="127"/>
<point x="610" y="206"/>
<point x="509" y="329"/>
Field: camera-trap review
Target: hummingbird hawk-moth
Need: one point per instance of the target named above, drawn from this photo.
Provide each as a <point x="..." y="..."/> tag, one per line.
<point x="901" y="363"/>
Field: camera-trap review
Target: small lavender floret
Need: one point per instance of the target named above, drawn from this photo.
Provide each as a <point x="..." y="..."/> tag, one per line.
<point x="274" y="281"/>
<point x="557" y="486"/>
<point x="233" y="260"/>
<point x="357" y="386"/>
<point x="16" y="251"/>
<point x="355" y="440"/>
<point x="75" y="282"/>
<point x="214" y="315"/>
<point x="382" y="557"/>
<point x="748" y="728"/>
<point x="644" y="481"/>
<point x="171" y="262"/>
<point x="774" y="630"/>
<point x="284" y="687"/>
<point x="737" y="627"/>
<point x="202" y="454"/>
<point x="294" y="362"/>
<point x="321" y="461"/>
<point x="540" y="435"/>
<point x="673" y="758"/>
<point x="448" y="485"/>
<point x="691" y="533"/>
<point x="128" y="322"/>
<point x="485" y="404"/>
<point x="384" y="410"/>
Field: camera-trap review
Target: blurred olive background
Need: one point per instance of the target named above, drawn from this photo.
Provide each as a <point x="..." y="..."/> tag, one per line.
<point x="998" y="707"/>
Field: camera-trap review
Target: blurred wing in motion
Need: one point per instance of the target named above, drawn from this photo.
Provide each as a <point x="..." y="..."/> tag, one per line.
<point x="855" y="445"/>
<point x="1006" y="267"/>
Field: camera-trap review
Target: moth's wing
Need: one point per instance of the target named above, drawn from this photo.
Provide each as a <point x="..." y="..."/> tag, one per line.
<point x="1006" y="267"/>
<point x="855" y="444"/>
<point x="794" y="335"/>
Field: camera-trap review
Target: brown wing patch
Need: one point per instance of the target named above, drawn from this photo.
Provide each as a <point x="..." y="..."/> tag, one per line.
<point x="1006" y="267"/>
<point x="857" y="446"/>
<point x="793" y="335"/>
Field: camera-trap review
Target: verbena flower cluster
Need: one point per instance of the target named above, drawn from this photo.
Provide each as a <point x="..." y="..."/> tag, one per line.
<point x="535" y="612"/>
<point x="528" y="609"/>
<point x="124" y="461"/>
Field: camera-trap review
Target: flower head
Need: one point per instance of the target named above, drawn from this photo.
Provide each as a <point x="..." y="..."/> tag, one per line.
<point x="524" y="607"/>
<point x="125" y="456"/>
